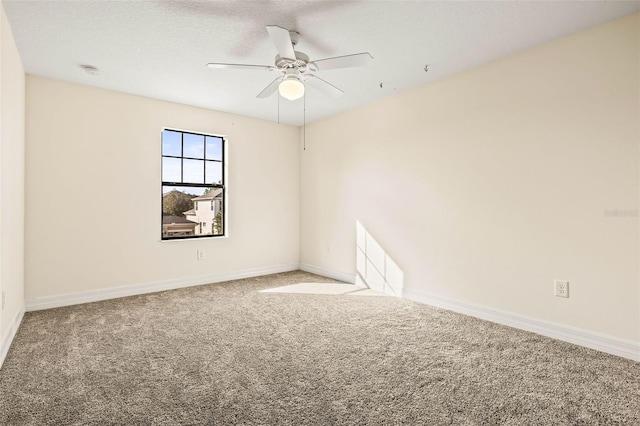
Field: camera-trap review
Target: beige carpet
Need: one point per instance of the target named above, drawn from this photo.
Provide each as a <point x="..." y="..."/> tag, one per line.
<point x="299" y="354"/>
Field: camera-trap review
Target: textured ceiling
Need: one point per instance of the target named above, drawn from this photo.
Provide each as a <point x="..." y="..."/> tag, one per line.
<point x="159" y="48"/>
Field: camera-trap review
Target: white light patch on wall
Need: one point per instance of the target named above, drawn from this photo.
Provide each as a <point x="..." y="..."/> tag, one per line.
<point x="375" y="269"/>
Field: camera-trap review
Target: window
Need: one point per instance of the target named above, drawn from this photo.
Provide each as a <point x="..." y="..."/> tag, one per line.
<point x="192" y="173"/>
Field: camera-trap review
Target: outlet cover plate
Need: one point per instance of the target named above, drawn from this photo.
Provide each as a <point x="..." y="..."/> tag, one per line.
<point x="561" y="288"/>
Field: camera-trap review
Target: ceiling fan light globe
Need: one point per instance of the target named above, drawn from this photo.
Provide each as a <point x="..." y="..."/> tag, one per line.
<point x="291" y="89"/>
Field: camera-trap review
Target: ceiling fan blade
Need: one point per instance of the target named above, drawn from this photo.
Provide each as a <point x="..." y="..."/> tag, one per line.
<point x="282" y="41"/>
<point x="322" y="86"/>
<point x="272" y="87"/>
<point x="214" y="65"/>
<point x="355" y="60"/>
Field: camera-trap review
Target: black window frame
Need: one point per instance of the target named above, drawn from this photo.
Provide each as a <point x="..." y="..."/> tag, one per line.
<point x="222" y="185"/>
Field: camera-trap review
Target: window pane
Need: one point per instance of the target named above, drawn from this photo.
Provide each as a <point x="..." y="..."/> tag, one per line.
<point x="171" y="143"/>
<point x="214" y="172"/>
<point x="171" y="169"/>
<point x="191" y="211"/>
<point x="193" y="145"/>
<point x="177" y="211"/>
<point x="193" y="171"/>
<point x="214" y="148"/>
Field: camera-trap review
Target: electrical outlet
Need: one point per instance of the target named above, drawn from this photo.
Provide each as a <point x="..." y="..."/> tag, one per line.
<point x="199" y="254"/>
<point x="561" y="288"/>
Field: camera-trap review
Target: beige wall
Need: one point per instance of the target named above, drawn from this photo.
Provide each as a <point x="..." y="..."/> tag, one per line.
<point x="93" y="199"/>
<point x="12" y="89"/>
<point x="486" y="186"/>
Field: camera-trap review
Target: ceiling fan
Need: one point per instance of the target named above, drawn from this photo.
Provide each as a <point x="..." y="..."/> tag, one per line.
<point x="296" y="68"/>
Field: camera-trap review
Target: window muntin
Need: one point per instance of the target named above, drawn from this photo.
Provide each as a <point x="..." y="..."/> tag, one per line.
<point x="193" y="188"/>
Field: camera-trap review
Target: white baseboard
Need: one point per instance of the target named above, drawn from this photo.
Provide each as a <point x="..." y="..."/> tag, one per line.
<point x="57" y="301"/>
<point x="612" y="345"/>
<point x="336" y="275"/>
<point x="5" y="342"/>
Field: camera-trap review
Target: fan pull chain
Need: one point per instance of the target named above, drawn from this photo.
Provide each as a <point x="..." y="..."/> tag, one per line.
<point x="304" y="123"/>
<point x="278" y="108"/>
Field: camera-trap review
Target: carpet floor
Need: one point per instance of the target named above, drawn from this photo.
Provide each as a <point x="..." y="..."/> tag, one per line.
<point x="273" y="350"/>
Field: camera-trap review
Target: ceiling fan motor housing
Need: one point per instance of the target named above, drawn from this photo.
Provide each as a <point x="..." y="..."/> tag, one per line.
<point x="301" y="62"/>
